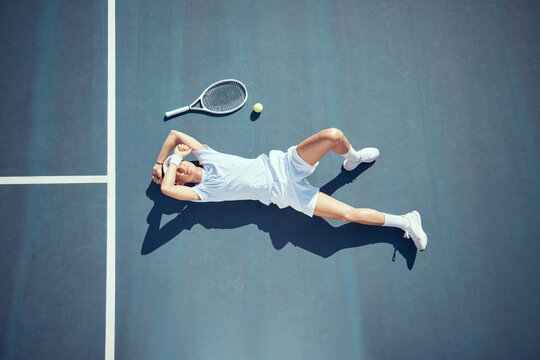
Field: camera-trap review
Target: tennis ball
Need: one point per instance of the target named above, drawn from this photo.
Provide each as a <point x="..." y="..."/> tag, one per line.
<point x="258" y="107"/>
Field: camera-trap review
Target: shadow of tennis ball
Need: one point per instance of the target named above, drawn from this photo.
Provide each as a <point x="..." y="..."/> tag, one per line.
<point x="254" y="115"/>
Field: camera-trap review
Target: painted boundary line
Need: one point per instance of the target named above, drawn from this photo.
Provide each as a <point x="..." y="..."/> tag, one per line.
<point x="110" y="300"/>
<point x="109" y="179"/>
<point x="38" y="180"/>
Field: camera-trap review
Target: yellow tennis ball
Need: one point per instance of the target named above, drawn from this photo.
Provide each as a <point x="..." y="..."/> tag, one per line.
<point x="257" y="107"/>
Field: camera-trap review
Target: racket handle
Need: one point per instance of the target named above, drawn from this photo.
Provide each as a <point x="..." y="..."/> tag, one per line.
<point x="177" y="111"/>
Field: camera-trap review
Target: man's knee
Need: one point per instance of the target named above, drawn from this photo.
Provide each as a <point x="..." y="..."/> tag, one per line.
<point x="332" y="134"/>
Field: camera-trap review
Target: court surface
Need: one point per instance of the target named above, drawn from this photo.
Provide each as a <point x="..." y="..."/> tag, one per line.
<point x="97" y="263"/>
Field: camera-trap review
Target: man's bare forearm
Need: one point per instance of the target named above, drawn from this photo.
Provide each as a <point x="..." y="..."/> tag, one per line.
<point x="176" y="138"/>
<point x="168" y="145"/>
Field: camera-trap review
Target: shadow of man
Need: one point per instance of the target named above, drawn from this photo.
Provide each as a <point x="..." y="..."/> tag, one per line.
<point x="284" y="226"/>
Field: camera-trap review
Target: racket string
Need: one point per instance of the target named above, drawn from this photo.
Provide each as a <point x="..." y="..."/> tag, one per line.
<point x="224" y="97"/>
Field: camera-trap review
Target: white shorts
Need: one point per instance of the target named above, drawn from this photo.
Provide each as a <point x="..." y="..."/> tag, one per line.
<point x="290" y="187"/>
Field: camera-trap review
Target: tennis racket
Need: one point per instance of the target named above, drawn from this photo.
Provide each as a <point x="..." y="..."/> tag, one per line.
<point x="221" y="97"/>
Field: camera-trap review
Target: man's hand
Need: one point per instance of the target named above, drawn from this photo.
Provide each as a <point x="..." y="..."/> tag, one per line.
<point x="182" y="150"/>
<point x="157" y="173"/>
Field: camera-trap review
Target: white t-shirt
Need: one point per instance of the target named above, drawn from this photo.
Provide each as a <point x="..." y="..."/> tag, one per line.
<point x="230" y="177"/>
<point x="279" y="178"/>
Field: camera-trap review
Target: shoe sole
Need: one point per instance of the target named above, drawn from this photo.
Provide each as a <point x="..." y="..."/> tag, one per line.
<point x="355" y="166"/>
<point x="420" y="222"/>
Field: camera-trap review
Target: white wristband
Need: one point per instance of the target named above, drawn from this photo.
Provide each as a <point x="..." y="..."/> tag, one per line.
<point x="176" y="160"/>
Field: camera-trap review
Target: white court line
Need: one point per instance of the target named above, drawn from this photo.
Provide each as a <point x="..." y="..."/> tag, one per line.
<point x="29" y="180"/>
<point x="110" y="299"/>
<point x="109" y="179"/>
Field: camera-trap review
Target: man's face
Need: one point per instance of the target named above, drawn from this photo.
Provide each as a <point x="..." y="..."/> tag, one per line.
<point x="185" y="172"/>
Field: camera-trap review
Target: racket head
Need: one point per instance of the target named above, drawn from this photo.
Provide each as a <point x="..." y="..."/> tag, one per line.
<point x="223" y="97"/>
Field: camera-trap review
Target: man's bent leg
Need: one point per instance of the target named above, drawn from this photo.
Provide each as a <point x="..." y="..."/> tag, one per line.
<point x="316" y="146"/>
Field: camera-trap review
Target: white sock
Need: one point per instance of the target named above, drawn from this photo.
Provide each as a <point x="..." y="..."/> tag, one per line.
<point x="398" y="221"/>
<point x="353" y="155"/>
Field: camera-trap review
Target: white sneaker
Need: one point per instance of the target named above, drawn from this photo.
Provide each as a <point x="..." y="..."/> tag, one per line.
<point x="368" y="155"/>
<point x="415" y="231"/>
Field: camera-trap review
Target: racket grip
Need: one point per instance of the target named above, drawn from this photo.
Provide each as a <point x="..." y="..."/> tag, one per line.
<point x="177" y="111"/>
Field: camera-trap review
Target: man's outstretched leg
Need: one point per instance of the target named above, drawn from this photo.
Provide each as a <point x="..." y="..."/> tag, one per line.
<point x="316" y="146"/>
<point x="330" y="208"/>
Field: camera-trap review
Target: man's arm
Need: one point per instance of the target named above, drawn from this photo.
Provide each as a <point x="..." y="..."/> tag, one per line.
<point x="177" y="138"/>
<point x="174" y="138"/>
<point x="179" y="192"/>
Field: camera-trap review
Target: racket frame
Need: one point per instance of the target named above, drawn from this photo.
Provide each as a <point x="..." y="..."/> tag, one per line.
<point x="203" y="108"/>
